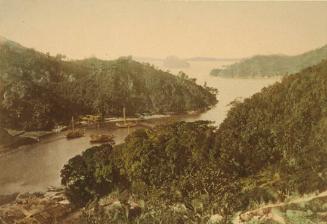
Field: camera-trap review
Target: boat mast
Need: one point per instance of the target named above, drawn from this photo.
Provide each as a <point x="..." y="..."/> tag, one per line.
<point x="124" y="113"/>
<point x="73" y="126"/>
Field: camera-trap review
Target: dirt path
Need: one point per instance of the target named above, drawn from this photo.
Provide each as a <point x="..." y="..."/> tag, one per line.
<point x="266" y="210"/>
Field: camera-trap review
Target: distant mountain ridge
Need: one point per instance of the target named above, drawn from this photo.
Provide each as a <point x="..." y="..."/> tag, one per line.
<point x="174" y="62"/>
<point x="272" y="65"/>
<point x="199" y="58"/>
<point x="211" y="59"/>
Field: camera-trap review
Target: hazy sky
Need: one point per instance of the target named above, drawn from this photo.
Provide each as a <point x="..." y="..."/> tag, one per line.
<point x="108" y="29"/>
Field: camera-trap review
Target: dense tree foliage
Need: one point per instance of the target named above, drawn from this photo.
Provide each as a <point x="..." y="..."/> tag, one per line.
<point x="270" y="145"/>
<point x="92" y="174"/>
<point x="38" y="90"/>
<point x="283" y="125"/>
<point x="272" y="65"/>
<point x="172" y="163"/>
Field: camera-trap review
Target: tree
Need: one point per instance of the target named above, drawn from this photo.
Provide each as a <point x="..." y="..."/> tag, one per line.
<point x="91" y="175"/>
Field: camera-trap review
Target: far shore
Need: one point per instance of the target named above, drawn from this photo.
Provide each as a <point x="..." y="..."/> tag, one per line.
<point x="31" y="137"/>
<point x="250" y="77"/>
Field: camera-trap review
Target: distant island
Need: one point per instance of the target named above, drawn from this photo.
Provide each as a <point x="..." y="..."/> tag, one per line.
<point x="191" y="59"/>
<point x="39" y="91"/>
<point x="175" y="62"/>
<point x="211" y="59"/>
<point x="271" y="65"/>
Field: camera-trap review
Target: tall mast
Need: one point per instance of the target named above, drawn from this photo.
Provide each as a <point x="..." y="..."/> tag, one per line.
<point x="124" y="113"/>
<point x="73" y="126"/>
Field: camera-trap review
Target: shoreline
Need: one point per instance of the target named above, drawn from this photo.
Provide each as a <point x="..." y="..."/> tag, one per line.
<point x="25" y="138"/>
<point x="50" y="206"/>
<point x="278" y="77"/>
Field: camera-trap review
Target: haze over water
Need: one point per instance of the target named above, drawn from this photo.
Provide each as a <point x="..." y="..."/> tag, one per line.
<point x="228" y="89"/>
<point x="110" y="29"/>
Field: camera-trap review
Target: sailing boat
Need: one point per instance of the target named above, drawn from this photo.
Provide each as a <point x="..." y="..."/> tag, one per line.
<point x="74" y="133"/>
<point x="102" y="138"/>
<point x="125" y="124"/>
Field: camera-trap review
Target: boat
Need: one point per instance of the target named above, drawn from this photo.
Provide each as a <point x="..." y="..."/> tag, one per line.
<point x="74" y="133"/>
<point x="60" y="128"/>
<point x="89" y="119"/>
<point x="192" y="112"/>
<point x="125" y="124"/>
<point x="101" y="138"/>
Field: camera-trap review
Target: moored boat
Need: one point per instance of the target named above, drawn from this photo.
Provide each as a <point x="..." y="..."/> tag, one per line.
<point x="59" y="128"/>
<point x="125" y="124"/>
<point x="102" y="138"/>
<point x="74" y="133"/>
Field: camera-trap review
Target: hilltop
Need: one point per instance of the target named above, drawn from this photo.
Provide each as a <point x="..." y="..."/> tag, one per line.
<point x="272" y="65"/>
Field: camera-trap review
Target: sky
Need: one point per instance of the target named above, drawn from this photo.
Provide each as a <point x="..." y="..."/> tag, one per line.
<point x="109" y="29"/>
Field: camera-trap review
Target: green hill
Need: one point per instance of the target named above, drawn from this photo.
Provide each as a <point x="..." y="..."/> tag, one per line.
<point x="39" y="90"/>
<point x="270" y="147"/>
<point x="281" y="128"/>
<point x="272" y="65"/>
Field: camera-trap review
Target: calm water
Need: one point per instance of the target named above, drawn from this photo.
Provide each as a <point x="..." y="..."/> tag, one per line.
<point x="229" y="89"/>
<point x="36" y="167"/>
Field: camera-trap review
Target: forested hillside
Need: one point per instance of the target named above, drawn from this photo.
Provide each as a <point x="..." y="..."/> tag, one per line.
<point x="269" y="147"/>
<point x="272" y="65"/>
<point x="38" y="90"/>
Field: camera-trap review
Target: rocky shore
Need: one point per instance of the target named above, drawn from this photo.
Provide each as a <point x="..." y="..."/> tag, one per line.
<point x="39" y="208"/>
<point x="52" y="207"/>
<point x="10" y="139"/>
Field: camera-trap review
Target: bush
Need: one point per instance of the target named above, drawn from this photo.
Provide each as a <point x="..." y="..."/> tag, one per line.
<point x="91" y="175"/>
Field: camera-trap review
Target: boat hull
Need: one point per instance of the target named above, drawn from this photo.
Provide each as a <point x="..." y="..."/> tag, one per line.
<point x="75" y="134"/>
<point x="102" y="138"/>
<point x="126" y="125"/>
